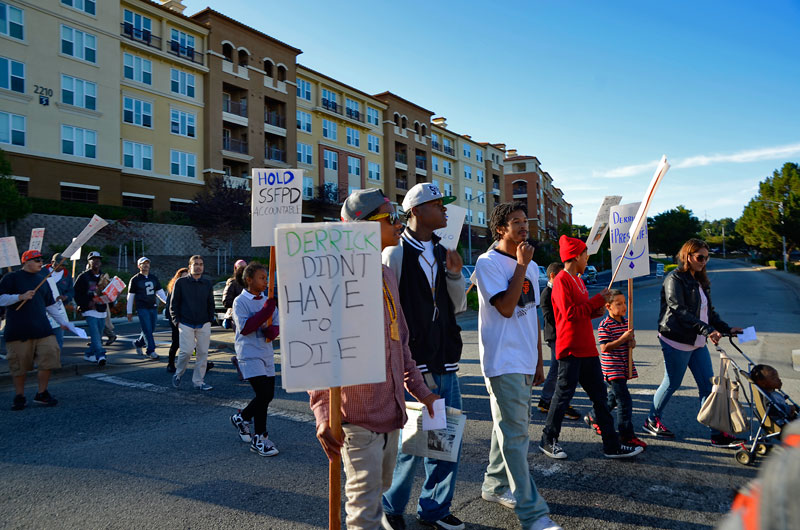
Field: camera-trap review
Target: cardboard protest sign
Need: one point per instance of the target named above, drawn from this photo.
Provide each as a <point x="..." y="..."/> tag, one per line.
<point x="9" y="255"/>
<point x="112" y="290"/>
<point x="451" y="233"/>
<point x="641" y="214"/>
<point x="76" y="256"/>
<point x="635" y="257"/>
<point x="600" y="226"/>
<point x="37" y="237"/>
<point x="95" y="224"/>
<point x="277" y="199"/>
<point x="330" y="287"/>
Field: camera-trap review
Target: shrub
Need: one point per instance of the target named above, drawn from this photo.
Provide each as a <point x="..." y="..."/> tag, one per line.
<point x="106" y="211"/>
<point x="775" y="263"/>
<point x="472" y="299"/>
<point x="670" y="267"/>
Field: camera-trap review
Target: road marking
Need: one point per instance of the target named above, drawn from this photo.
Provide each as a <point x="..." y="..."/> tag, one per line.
<point x="128" y="383"/>
<point x="552" y="470"/>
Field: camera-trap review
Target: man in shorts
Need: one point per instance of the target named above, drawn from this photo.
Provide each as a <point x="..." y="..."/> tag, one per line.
<point x="29" y="337"/>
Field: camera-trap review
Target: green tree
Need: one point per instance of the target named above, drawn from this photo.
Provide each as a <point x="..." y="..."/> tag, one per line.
<point x="13" y="206"/>
<point x="774" y="212"/>
<point x="219" y="210"/>
<point x="669" y="230"/>
<point x="712" y="232"/>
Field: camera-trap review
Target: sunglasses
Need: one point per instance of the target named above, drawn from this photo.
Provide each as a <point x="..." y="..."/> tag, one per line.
<point x="393" y="217"/>
<point x="701" y="257"/>
<point x="38" y="260"/>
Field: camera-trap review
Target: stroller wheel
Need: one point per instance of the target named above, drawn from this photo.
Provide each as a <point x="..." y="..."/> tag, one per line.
<point x="743" y="457"/>
<point x="762" y="449"/>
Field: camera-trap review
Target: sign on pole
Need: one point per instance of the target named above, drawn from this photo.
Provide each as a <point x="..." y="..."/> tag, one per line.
<point x="277" y="198"/>
<point x="9" y="255"/>
<point x="37" y="237"/>
<point x="635" y="257"/>
<point x="600" y="226"/>
<point x="76" y="256"/>
<point x="451" y="233"/>
<point x="331" y="305"/>
<point x="95" y="224"/>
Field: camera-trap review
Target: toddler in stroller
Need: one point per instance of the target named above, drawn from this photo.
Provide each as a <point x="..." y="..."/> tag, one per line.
<point x="767" y="379"/>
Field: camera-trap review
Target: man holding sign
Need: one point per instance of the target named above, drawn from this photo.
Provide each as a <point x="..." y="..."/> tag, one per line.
<point x="88" y="288"/>
<point x="373" y="414"/>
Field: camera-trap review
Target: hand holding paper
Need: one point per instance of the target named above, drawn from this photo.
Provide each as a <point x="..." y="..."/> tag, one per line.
<point x="748" y="335"/>
<point x="439" y="420"/>
<point x="77" y="331"/>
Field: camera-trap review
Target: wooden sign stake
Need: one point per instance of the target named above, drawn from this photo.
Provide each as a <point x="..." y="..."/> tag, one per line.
<point x="630" y="326"/>
<point x="335" y="465"/>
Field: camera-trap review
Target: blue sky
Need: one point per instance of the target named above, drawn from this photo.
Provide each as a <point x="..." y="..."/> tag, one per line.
<point x="597" y="91"/>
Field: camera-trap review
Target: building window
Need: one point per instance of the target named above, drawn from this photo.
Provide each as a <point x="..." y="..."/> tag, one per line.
<point x="76" y="43"/>
<point x="331" y="159"/>
<point x="308" y="187"/>
<point x="142" y="203"/>
<point x="482" y="198"/>
<point x="373" y="143"/>
<point x="479" y="155"/>
<point x="137" y="69"/>
<point x="372" y="116"/>
<point x="447" y="167"/>
<point x="182" y="44"/>
<point x="329" y="129"/>
<point x="12" y="75"/>
<point x="467" y="193"/>
<point x="374" y="170"/>
<point x="78" y="142"/>
<point x="137" y="26"/>
<point x="137" y="156"/>
<point x="328" y="97"/>
<point x="304" y="153"/>
<point x="435" y="163"/>
<point x="182" y="123"/>
<point x="12" y="21"/>
<point x="354" y="166"/>
<point x="467" y="150"/>
<point x="182" y="82"/>
<point x="448" y="147"/>
<point x="479" y="175"/>
<point x="469" y="215"/>
<point x="76" y="194"/>
<point x="481" y="218"/>
<point x="303" y="89"/>
<point x="22" y="187"/>
<point x="448" y="188"/>
<point x="78" y="92"/>
<point x="137" y="112"/>
<point x="182" y="164"/>
<point x="179" y="206"/>
<point x="12" y="129"/>
<point x="303" y="121"/>
<point x="87" y="6"/>
<point x="468" y="172"/>
<point x="353" y="137"/>
<point x="352" y="108"/>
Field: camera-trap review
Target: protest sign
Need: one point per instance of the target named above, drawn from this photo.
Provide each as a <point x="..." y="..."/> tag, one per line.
<point x="635" y="257"/>
<point x="37" y="236"/>
<point x="451" y="233"/>
<point x="277" y="199"/>
<point x="112" y="290"/>
<point x="76" y="256"/>
<point x="600" y="226"/>
<point x="441" y="444"/>
<point x="331" y="305"/>
<point x="9" y="255"/>
<point x="95" y="224"/>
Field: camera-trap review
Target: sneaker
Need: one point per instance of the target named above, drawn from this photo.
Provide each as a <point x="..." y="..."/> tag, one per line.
<point x="19" y="402"/>
<point x="101" y="361"/>
<point x="545" y="523"/>
<point x="591" y="422"/>
<point x="139" y="347"/>
<point x="242" y="426"/>
<point x="544" y="405"/>
<point x="153" y="355"/>
<point x="632" y="441"/>
<point x="624" y="451"/>
<point x="392" y="521"/>
<point x="506" y="499"/>
<point x="553" y="450"/>
<point x="572" y="414"/>
<point x="176" y="381"/>
<point x="656" y="428"/>
<point x="263" y="446"/>
<point x="203" y="386"/>
<point x="111" y="340"/>
<point x="89" y="358"/>
<point x="448" y="522"/>
<point x="171" y="368"/>
<point x="44" y="398"/>
<point x="209" y="366"/>
<point x="725" y="440"/>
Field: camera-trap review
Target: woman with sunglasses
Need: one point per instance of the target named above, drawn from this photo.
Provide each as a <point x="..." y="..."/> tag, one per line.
<point x="686" y="321"/>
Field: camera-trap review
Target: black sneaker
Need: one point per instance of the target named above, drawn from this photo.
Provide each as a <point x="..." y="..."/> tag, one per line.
<point x="393" y="522"/>
<point x="552" y="449"/>
<point x="572" y="414"/>
<point x="448" y="522"/>
<point x="111" y="340"/>
<point x="656" y="428"/>
<point x="209" y="366"/>
<point x="44" y="398"/>
<point x="726" y="441"/>
<point x="544" y="405"/>
<point x="19" y="402"/>
<point x="624" y="451"/>
<point x="171" y="368"/>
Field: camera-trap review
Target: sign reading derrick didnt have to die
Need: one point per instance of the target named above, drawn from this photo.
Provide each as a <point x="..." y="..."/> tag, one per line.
<point x="277" y="199"/>
<point x="330" y="292"/>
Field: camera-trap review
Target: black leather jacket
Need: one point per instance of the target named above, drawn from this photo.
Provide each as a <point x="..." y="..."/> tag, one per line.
<point x="679" y="319"/>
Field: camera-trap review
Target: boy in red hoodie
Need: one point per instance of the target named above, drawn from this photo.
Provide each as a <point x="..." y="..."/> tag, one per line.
<point x="578" y="360"/>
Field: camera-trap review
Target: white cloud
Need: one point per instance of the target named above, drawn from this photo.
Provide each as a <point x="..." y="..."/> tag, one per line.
<point x="626" y="171"/>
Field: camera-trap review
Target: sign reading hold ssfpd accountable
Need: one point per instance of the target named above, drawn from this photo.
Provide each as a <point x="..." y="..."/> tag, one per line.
<point x="451" y="233"/>
<point x="330" y="289"/>
<point x="636" y="261"/>
<point x="277" y="199"/>
<point x="9" y="256"/>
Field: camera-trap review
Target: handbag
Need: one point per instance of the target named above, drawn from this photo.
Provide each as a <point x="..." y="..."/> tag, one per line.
<point x="721" y="409"/>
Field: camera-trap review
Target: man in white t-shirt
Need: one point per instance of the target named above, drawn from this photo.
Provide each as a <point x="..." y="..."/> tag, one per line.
<point x="510" y="351"/>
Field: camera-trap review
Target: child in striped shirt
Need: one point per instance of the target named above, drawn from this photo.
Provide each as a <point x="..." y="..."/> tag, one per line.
<point x="615" y="339"/>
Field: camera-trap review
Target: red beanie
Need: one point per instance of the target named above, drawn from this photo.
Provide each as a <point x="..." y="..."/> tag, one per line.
<point x="570" y="248"/>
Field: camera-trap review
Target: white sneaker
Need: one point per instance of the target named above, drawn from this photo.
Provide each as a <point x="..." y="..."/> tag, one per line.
<point x="153" y="355"/>
<point x="506" y="499"/>
<point x="545" y="523"/>
<point x="263" y="446"/>
<point x="90" y="358"/>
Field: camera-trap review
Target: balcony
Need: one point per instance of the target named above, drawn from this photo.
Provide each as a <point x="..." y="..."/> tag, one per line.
<point x="436" y="145"/>
<point x="237" y="182"/>
<point x="520" y="192"/>
<point x="186" y="52"/>
<point x="332" y="106"/>
<point x="275" y="119"/>
<point x="421" y="163"/>
<point x="239" y="108"/>
<point x="495" y="188"/>
<point x="235" y="146"/>
<point x="449" y="150"/>
<point x="274" y="153"/>
<point x="401" y="184"/>
<point x="401" y="157"/>
<point x="354" y="115"/>
<point x="140" y="35"/>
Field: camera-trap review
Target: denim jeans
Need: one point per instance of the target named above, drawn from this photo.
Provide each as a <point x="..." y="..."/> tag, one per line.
<point x="147" y="319"/>
<point x="549" y="387"/>
<point x="95" y="328"/>
<point x="675" y="364"/>
<point x="440" y="475"/>
<point x="619" y="397"/>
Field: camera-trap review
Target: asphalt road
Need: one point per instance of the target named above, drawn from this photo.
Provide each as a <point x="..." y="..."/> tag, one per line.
<point x="124" y="449"/>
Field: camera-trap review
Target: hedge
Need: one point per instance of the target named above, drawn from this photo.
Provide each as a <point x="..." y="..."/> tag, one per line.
<point x="106" y="211"/>
<point x="670" y="267"/>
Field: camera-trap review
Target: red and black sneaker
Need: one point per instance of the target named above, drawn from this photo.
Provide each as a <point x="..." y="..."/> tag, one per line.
<point x="634" y="441"/>
<point x="725" y="440"/>
<point x="656" y="428"/>
<point x="590" y="421"/>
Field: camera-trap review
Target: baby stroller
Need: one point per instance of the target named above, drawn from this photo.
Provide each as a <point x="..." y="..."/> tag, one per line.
<point x="765" y="419"/>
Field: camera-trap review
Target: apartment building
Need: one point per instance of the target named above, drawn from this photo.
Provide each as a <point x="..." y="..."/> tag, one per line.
<point x="250" y="99"/>
<point x="444" y="160"/>
<point x="495" y="155"/>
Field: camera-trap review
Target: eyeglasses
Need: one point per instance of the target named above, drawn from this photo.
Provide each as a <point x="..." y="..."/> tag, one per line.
<point x="38" y="260"/>
<point x="393" y="217"/>
<point x="701" y="257"/>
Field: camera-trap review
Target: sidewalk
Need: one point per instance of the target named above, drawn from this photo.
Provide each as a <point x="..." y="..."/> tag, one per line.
<point x="791" y="280"/>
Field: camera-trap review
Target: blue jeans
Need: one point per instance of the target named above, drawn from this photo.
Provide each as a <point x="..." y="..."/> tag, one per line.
<point x="675" y="364"/>
<point x="440" y="475"/>
<point x="95" y="327"/>
<point x="549" y="387"/>
<point x="619" y="397"/>
<point x="147" y="319"/>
